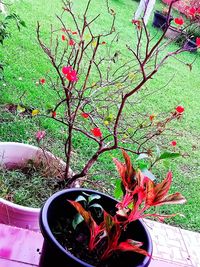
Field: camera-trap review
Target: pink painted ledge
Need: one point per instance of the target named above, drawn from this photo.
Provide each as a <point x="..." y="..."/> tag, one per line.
<point x="173" y="247"/>
<point x="19" y="245"/>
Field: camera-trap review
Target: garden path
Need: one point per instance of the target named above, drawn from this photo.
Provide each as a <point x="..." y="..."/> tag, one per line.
<point x="173" y="247"/>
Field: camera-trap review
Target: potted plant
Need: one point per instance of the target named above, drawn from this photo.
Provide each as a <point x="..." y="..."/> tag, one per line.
<point x="87" y="77"/>
<point x="17" y="156"/>
<point x="86" y="228"/>
<point x="160" y="18"/>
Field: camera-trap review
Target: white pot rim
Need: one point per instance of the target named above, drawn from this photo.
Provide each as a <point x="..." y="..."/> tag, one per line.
<point x="10" y="204"/>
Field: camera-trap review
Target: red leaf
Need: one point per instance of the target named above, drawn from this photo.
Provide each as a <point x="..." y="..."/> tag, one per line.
<point x="162" y="188"/>
<point x="95" y="230"/>
<point x="134" y="246"/>
<point x="175" y="198"/>
<point x="126" y="171"/>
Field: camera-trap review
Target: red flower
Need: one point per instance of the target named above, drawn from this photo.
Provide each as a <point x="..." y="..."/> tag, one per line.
<point x="151" y="117"/>
<point x="66" y="69"/>
<point x="179" y="21"/>
<point x="192" y="11"/>
<point x="42" y="81"/>
<point x="96" y="132"/>
<point x="53" y="114"/>
<point x="198" y="41"/>
<point x="103" y="43"/>
<point x="70" y="74"/>
<point x="71" y="42"/>
<point x="173" y="143"/>
<point x="40" y="135"/>
<point x="63" y="38"/>
<point x="180" y="109"/>
<point x="74" y="33"/>
<point x="85" y="115"/>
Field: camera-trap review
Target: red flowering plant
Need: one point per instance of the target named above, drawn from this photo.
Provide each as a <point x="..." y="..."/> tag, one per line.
<point x="140" y="194"/>
<point x="95" y="92"/>
<point x="188" y="24"/>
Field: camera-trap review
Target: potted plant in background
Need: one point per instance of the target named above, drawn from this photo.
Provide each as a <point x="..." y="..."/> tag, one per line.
<point x="86" y="228"/>
<point x="161" y="17"/>
<point x="24" y="159"/>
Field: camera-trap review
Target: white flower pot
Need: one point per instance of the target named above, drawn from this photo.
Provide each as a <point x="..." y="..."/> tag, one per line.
<point x="14" y="155"/>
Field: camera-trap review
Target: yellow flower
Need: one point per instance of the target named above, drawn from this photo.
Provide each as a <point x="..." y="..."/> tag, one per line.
<point x="35" y="112"/>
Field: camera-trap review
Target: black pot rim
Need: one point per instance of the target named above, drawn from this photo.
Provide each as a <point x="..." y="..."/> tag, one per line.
<point x="47" y="233"/>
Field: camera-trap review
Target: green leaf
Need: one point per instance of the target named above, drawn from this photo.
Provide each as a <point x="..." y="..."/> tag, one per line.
<point x="118" y="191"/>
<point x="142" y="156"/>
<point x="77" y="220"/>
<point x="143" y="165"/>
<point x="169" y="155"/>
<point x="80" y="198"/>
<point x="93" y="196"/>
<point x="95" y="205"/>
<point x="148" y="174"/>
<point x="22" y="23"/>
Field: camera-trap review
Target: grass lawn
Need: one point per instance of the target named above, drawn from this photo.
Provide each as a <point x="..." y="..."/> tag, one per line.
<point x="25" y="64"/>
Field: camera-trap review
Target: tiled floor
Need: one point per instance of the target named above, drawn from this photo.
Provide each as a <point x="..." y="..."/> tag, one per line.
<point x="172" y="246"/>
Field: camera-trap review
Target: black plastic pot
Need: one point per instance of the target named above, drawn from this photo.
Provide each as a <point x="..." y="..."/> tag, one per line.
<point x="190" y="45"/>
<point x="160" y="20"/>
<point x="54" y="254"/>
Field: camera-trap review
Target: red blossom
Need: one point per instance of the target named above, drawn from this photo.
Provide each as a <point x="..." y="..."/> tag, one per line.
<point x="151" y="117"/>
<point x="192" y="11"/>
<point x="66" y="69"/>
<point x="85" y="115"/>
<point x="70" y="74"/>
<point x="42" y="81"/>
<point x="53" y="114"/>
<point x="198" y="41"/>
<point x="173" y="143"/>
<point x="179" y="21"/>
<point x="74" y="33"/>
<point x="103" y="43"/>
<point x="180" y="109"/>
<point x="40" y="135"/>
<point x="71" y="42"/>
<point x="63" y="38"/>
<point x="96" y="132"/>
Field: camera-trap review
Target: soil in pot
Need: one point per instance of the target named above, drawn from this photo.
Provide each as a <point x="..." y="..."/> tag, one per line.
<point x="76" y="242"/>
<point x="32" y="184"/>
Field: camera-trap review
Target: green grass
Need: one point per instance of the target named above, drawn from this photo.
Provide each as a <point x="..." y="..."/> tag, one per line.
<point x="24" y="59"/>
